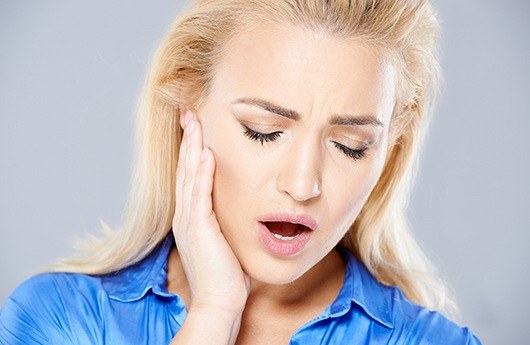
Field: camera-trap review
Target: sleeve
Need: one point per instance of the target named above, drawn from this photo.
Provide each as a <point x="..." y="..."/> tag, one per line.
<point x="435" y="329"/>
<point x="472" y="339"/>
<point x="34" y="314"/>
<point x="419" y="325"/>
<point x="17" y="326"/>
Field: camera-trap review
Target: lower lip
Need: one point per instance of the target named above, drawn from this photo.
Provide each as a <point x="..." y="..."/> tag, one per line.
<point x="280" y="247"/>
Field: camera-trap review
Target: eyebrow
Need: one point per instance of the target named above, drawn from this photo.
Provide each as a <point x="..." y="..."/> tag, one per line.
<point x="341" y="120"/>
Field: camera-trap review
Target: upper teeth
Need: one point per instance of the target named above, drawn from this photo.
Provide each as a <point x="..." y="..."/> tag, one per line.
<point x="284" y="238"/>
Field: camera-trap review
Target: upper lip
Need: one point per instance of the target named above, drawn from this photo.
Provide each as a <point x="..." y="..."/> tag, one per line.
<point x="300" y="218"/>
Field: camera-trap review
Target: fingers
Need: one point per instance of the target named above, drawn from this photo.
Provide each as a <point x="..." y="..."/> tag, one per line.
<point x="191" y="160"/>
<point x="180" y="174"/>
<point x="202" y="191"/>
<point x="194" y="176"/>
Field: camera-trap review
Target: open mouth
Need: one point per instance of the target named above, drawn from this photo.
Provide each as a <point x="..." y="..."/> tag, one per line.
<point x="285" y="231"/>
<point x="285" y="234"/>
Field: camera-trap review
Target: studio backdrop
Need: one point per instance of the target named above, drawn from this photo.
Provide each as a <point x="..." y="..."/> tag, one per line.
<point x="70" y="75"/>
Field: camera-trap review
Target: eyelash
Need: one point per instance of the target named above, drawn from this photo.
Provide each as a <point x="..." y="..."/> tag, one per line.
<point x="266" y="137"/>
<point x="261" y="137"/>
<point x="354" y="154"/>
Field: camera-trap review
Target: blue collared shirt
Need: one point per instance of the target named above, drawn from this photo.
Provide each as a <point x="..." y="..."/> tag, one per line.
<point x="132" y="306"/>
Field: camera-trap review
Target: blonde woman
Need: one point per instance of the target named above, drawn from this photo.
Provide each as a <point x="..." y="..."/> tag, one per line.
<point x="275" y="148"/>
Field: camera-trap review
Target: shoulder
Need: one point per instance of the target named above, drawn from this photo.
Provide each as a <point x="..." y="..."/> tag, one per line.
<point x="40" y="309"/>
<point x="399" y="320"/>
<point x="56" y="290"/>
<point x="415" y="324"/>
<point x="125" y="306"/>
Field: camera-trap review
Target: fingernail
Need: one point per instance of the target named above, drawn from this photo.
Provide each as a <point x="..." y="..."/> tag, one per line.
<point x="204" y="154"/>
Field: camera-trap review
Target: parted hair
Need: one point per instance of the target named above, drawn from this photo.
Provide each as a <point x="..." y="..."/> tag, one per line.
<point x="180" y="75"/>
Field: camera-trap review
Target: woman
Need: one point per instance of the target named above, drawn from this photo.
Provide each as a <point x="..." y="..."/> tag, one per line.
<point x="276" y="143"/>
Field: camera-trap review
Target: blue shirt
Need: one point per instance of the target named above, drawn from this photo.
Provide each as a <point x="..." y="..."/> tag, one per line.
<point x="132" y="306"/>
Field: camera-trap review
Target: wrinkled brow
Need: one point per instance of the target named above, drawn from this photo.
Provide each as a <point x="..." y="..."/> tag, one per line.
<point x="341" y="120"/>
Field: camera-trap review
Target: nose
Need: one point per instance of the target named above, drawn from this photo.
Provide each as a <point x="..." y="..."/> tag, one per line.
<point x="300" y="172"/>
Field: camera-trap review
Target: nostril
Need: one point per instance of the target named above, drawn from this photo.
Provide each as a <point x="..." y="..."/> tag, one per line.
<point x="316" y="189"/>
<point x="300" y="191"/>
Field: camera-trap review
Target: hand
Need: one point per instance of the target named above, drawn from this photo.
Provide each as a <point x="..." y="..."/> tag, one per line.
<point x="214" y="274"/>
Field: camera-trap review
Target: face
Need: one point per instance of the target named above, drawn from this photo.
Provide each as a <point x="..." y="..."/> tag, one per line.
<point x="298" y="125"/>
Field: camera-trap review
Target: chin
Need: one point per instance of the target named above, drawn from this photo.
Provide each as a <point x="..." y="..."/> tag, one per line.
<point x="277" y="279"/>
<point x="267" y="269"/>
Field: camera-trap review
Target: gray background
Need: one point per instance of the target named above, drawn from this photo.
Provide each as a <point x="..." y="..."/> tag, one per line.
<point x="70" y="74"/>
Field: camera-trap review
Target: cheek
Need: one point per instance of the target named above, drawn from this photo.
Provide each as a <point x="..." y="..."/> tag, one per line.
<point x="238" y="171"/>
<point x="349" y="195"/>
<point x="349" y="192"/>
<point x="236" y="180"/>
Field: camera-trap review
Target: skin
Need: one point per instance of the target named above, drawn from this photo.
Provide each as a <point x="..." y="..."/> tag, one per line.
<point x="224" y="274"/>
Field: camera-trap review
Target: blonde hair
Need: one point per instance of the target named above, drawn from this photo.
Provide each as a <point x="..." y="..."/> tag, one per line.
<point x="181" y="75"/>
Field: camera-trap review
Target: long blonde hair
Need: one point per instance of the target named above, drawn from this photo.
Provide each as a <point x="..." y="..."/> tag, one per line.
<point x="181" y="74"/>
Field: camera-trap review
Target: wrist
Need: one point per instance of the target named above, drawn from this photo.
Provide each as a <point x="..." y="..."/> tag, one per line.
<point x="221" y="311"/>
<point x="209" y="324"/>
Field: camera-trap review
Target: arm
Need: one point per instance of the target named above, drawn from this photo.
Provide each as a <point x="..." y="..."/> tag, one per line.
<point x="219" y="287"/>
<point x="18" y="327"/>
<point x="25" y="316"/>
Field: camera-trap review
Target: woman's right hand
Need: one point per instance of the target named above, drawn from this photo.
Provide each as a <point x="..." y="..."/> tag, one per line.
<point x="216" y="280"/>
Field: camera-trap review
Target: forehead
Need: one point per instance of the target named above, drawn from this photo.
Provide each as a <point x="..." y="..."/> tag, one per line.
<point x="303" y="69"/>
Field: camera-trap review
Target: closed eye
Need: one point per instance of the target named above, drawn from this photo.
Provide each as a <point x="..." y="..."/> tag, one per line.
<point x="261" y="137"/>
<point x="352" y="153"/>
<point x="266" y="137"/>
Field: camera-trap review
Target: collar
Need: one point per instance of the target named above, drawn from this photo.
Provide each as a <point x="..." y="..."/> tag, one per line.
<point x="133" y="282"/>
<point x="360" y="287"/>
